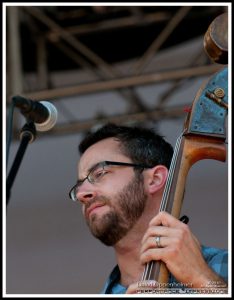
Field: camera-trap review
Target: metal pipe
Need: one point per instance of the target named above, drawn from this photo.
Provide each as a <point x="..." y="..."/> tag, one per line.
<point x="94" y="87"/>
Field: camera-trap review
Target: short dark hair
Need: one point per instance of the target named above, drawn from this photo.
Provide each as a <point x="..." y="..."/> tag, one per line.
<point x="142" y="145"/>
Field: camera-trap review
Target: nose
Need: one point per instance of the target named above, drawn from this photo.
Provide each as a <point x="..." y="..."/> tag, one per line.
<point x="86" y="193"/>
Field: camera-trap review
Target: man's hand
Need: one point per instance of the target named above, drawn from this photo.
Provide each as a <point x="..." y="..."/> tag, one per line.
<point x="178" y="249"/>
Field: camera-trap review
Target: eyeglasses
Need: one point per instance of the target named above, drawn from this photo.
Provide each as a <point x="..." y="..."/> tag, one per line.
<point x="97" y="172"/>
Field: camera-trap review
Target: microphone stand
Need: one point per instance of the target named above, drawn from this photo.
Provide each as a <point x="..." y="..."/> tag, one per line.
<point x="27" y="135"/>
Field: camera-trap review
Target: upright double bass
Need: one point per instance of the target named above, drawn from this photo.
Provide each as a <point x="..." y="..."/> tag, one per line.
<point x="203" y="135"/>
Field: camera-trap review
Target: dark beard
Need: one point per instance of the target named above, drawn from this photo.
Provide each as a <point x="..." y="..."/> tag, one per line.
<point x="115" y="224"/>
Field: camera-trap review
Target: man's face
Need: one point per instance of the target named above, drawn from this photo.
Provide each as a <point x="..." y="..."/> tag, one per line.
<point x="113" y="205"/>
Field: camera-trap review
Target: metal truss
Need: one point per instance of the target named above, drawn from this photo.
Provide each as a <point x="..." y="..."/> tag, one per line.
<point x="47" y="26"/>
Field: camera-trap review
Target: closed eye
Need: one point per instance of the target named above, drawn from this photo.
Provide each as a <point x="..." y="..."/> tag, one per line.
<point x="100" y="173"/>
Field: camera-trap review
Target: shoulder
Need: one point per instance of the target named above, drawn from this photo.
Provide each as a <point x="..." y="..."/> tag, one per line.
<point x="217" y="259"/>
<point x="210" y="253"/>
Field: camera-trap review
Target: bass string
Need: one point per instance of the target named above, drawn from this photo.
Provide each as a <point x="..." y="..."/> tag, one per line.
<point x="149" y="266"/>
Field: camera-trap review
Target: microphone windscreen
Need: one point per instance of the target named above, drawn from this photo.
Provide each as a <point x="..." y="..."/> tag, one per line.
<point x="51" y="120"/>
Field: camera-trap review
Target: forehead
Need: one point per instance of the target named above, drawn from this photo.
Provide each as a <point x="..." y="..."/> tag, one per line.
<point x="107" y="149"/>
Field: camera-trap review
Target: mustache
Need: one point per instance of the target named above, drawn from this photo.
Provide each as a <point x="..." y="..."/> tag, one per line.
<point x="97" y="200"/>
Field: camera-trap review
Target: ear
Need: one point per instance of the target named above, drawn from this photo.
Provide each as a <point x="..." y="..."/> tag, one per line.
<point x="156" y="179"/>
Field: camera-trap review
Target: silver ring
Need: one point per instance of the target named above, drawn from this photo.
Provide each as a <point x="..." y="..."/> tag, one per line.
<point x="157" y="240"/>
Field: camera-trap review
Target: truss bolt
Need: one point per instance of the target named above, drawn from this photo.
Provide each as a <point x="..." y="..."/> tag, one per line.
<point x="219" y="92"/>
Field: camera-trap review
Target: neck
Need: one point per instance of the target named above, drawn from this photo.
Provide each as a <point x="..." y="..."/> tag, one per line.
<point x="128" y="249"/>
<point x="127" y="252"/>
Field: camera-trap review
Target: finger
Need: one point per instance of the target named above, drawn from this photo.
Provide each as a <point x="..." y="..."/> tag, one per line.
<point x="151" y="243"/>
<point x="170" y="248"/>
<point x="152" y="254"/>
<point x="165" y="219"/>
<point x="154" y="231"/>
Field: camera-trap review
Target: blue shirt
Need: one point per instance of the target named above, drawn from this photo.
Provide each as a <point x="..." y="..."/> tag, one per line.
<point x="217" y="260"/>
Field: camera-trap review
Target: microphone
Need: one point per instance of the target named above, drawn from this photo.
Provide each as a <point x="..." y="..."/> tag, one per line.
<point x="43" y="113"/>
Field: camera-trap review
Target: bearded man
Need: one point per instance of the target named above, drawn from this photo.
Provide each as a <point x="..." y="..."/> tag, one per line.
<point x="122" y="173"/>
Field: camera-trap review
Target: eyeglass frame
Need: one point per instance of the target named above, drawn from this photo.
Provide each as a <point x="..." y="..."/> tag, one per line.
<point x="103" y="164"/>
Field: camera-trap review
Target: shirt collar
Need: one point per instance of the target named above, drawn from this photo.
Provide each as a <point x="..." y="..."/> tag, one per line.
<point x="112" y="285"/>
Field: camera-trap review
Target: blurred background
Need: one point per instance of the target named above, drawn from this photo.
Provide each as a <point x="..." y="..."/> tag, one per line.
<point x="129" y="64"/>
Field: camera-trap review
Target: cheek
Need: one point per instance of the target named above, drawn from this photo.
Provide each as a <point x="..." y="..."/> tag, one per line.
<point x="120" y="187"/>
<point x="116" y="184"/>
